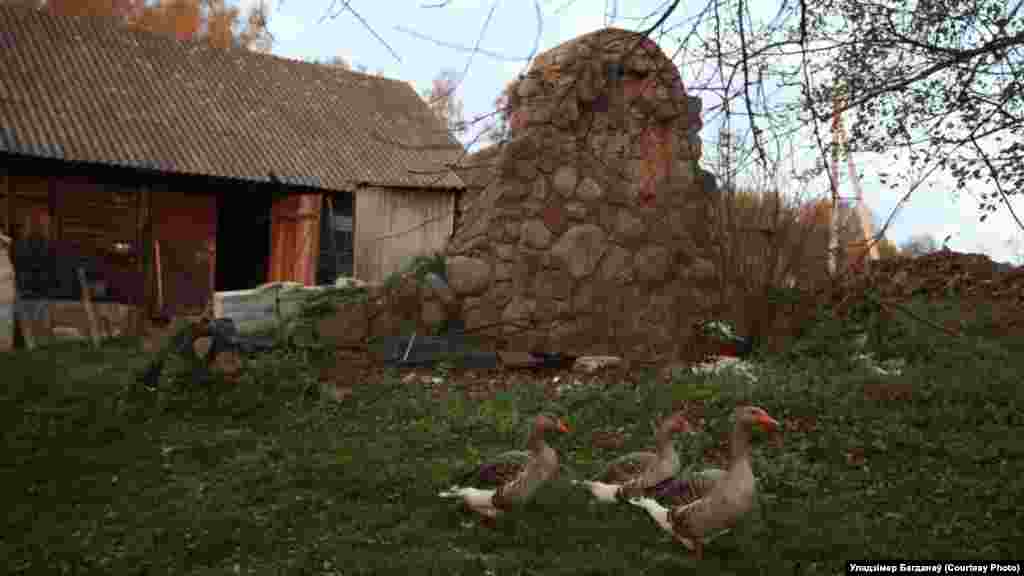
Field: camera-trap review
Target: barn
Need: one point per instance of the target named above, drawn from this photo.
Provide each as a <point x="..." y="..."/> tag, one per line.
<point x="184" y="169"/>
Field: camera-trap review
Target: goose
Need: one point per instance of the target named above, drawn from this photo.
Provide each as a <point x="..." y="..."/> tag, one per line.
<point x="721" y="499"/>
<point x="516" y="475"/>
<point x="637" y="473"/>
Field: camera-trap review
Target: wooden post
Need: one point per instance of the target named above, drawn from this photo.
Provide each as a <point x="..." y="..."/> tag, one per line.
<point x="159" y="277"/>
<point x="7" y="293"/>
<point x="356" y="242"/>
<point x="333" y="239"/>
<point x="144" y="242"/>
<point x="7" y="244"/>
<point x="8" y="191"/>
<point x="26" y="332"/>
<point x="211" y="252"/>
<point x="87" y="303"/>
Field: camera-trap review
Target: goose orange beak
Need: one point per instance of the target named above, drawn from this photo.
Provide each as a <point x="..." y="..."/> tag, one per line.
<point x="562" y="427"/>
<point x="768" y="423"/>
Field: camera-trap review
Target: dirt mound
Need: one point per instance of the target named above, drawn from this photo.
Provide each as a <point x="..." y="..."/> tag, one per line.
<point x="982" y="285"/>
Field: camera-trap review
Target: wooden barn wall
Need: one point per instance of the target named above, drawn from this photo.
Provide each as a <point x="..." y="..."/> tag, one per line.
<point x="91" y="215"/>
<point x="185" y="228"/>
<point x="295" y="238"/>
<point x="394" y="225"/>
<point x="97" y="218"/>
<point x="27" y="193"/>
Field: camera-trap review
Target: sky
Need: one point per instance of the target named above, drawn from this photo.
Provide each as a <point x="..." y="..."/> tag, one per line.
<point x="392" y="37"/>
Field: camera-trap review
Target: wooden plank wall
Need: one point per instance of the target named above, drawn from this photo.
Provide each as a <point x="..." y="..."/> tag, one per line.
<point x="97" y="218"/>
<point x="27" y="194"/>
<point x="394" y="225"/>
<point x="89" y="216"/>
<point x="95" y="214"/>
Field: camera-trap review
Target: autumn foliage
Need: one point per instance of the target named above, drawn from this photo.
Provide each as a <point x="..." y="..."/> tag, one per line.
<point x="443" y="101"/>
<point x="213" y="21"/>
<point x="770" y="242"/>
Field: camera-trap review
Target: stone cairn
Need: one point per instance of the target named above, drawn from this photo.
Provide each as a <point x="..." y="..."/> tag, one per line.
<point x="594" y="236"/>
<point x="590" y="234"/>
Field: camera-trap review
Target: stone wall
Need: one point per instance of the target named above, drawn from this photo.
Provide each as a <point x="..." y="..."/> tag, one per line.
<point x="594" y="236"/>
<point x="401" y="306"/>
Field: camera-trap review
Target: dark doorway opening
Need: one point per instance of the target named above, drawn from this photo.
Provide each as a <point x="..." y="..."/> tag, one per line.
<point x="337" y="242"/>
<point x="243" y="238"/>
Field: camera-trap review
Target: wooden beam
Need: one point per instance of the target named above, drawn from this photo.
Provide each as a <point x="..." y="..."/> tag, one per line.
<point x="27" y="331"/>
<point x="211" y="253"/>
<point x="159" y="277"/>
<point x="9" y="204"/>
<point x="7" y="297"/>
<point x="145" y="263"/>
<point x="9" y="212"/>
<point x="357" y="242"/>
<point x="94" y="332"/>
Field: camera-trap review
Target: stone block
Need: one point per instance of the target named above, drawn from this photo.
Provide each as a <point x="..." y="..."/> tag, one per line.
<point x="347" y="326"/>
<point x="468" y="276"/>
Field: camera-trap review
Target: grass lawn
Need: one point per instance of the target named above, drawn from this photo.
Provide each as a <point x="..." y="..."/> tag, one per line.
<point x="267" y="477"/>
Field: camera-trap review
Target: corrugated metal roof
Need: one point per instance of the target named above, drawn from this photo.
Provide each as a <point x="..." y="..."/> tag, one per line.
<point x="86" y="89"/>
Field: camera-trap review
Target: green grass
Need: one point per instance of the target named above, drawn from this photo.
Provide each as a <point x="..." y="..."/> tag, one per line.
<point x="266" y="477"/>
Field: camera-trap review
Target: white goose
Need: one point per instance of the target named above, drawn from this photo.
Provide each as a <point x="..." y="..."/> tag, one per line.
<point x="721" y="499"/>
<point x="519" y="479"/>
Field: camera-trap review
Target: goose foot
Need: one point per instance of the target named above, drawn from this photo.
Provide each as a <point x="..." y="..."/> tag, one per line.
<point x="695" y="545"/>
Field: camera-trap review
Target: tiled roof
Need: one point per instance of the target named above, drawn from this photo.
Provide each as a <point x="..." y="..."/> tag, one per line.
<point x="87" y="89"/>
<point x="479" y="169"/>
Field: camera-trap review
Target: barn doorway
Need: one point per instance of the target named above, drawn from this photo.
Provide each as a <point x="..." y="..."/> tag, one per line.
<point x="337" y="241"/>
<point x="243" y="238"/>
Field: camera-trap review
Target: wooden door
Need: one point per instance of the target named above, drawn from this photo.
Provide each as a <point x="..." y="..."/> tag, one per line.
<point x="185" y="226"/>
<point x="294" y="238"/>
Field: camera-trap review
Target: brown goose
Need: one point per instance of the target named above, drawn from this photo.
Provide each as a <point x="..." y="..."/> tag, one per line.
<point x="637" y="473"/>
<point x="729" y="497"/>
<point x="517" y="480"/>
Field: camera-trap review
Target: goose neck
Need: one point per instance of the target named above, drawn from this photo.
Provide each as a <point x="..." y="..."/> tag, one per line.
<point x="739" y="444"/>
<point x="535" y="443"/>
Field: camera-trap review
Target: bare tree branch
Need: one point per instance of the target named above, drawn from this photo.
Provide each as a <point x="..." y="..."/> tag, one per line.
<point x="741" y="17"/>
<point x="346" y="6"/>
<point x="460" y="47"/>
<point x="999" y="187"/>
